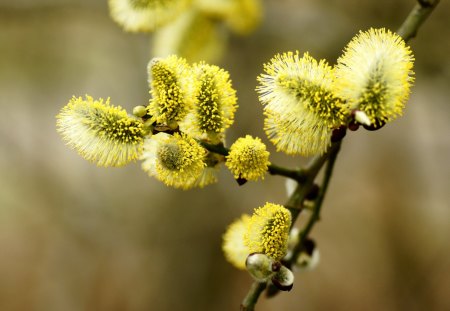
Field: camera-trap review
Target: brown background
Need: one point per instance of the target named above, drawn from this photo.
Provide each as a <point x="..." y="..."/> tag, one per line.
<point x="77" y="237"/>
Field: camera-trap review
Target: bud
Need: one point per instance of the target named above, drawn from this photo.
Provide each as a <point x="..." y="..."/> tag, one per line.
<point x="361" y="117"/>
<point x="309" y="257"/>
<point x="139" y="111"/>
<point x="283" y="279"/>
<point x="261" y="267"/>
<point x="290" y="185"/>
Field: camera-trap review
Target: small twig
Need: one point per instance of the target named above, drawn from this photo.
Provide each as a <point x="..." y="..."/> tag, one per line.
<point x="416" y="17"/>
<point x="295" y="202"/>
<point x="315" y="216"/>
<point x="249" y="302"/>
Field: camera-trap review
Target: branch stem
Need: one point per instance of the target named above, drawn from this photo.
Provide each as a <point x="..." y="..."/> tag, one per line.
<point x="249" y="302"/>
<point x="415" y="19"/>
<point x="315" y="216"/>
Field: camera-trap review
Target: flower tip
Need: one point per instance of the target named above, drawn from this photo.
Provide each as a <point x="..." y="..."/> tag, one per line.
<point x="362" y="118"/>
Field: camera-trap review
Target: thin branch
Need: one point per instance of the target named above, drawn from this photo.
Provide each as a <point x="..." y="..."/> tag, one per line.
<point x="416" y="17"/>
<point x="249" y="302"/>
<point x="315" y="216"/>
<point x="295" y="202"/>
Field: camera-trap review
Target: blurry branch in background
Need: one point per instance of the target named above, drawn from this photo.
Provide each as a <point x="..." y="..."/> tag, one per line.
<point x="407" y="31"/>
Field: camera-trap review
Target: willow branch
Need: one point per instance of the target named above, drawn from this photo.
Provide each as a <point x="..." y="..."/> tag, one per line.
<point x="416" y="17"/>
<point x="315" y="216"/>
<point x="407" y="31"/>
<point x="295" y="201"/>
<point x="249" y="302"/>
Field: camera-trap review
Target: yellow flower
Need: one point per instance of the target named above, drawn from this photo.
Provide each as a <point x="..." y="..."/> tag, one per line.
<point x="171" y="87"/>
<point x="248" y="158"/>
<point x="101" y="133"/>
<point x="145" y="15"/>
<point x="300" y="105"/>
<point x="193" y="35"/>
<point x="268" y="231"/>
<point x="245" y="16"/>
<point x="375" y="74"/>
<point x="176" y="160"/>
<point x="242" y="16"/>
<point x="233" y="246"/>
<point x="215" y="104"/>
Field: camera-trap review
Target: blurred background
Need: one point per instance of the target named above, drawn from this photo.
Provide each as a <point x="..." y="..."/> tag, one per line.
<point x="77" y="237"/>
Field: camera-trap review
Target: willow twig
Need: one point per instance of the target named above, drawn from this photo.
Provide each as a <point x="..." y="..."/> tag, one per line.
<point x="415" y="19"/>
<point x="249" y="302"/>
<point x="315" y="216"/>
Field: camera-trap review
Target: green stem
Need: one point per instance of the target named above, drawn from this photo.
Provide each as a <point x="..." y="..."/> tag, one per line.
<point x="249" y="302"/>
<point x="315" y="216"/>
<point x="295" y="202"/>
<point x="416" y="17"/>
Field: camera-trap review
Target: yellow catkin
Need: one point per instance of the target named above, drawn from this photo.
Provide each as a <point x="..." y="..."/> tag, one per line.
<point x="101" y="133"/>
<point x="171" y="87"/>
<point x="268" y="231"/>
<point x="176" y="160"/>
<point x="248" y="158"/>
<point x="145" y="15"/>
<point x="375" y="74"/>
<point x="215" y="104"/>
<point x="300" y="106"/>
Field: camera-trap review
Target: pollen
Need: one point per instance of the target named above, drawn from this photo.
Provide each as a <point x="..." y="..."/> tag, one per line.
<point x="300" y="106"/>
<point x="248" y="158"/>
<point x="176" y="160"/>
<point x="268" y="231"/>
<point x="171" y="87"/>
<point x="375" y="74"/>
<point x="101" y="133"/>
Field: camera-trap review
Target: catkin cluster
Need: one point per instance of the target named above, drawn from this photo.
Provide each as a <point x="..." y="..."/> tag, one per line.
<point x="180" y="134"/>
